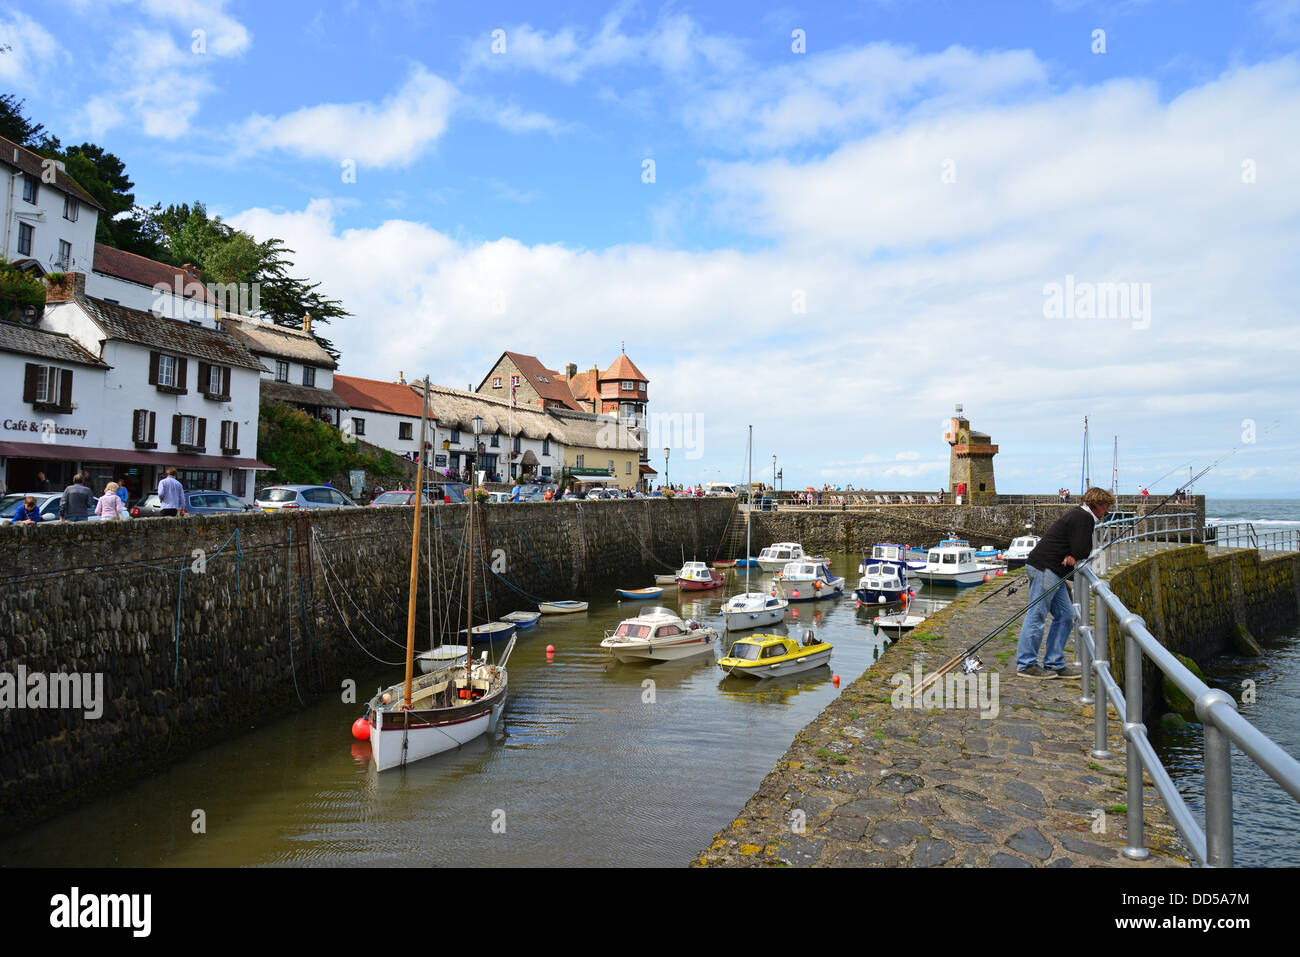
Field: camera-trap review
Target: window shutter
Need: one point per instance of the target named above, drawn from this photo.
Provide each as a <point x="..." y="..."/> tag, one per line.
<point x="201" y="438"/>
<point x="234" y="436"/>
<point x="176" y="430"/>
<point x="180" y="373"/>
<point x="65" y="391"/>
<point x="135" y="425"/>
<point x="225" y="381"/>
<point x="204" y="376"/>
<point x="30" y="379"/>
<point x="153" y="368"/>
<point x="153" y="420"/>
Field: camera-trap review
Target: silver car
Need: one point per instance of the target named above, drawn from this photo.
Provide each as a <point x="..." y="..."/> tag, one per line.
<point x="276" y="497"/>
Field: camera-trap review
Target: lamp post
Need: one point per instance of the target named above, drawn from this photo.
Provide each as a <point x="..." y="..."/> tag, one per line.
<point x="774" y="473"/>
<point x="666" y="469"/>
<point x="473" y="468"/>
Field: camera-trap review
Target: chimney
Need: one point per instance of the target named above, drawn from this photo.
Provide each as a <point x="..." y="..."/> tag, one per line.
<point x="401" y="377"/>
<point x="73" y="286"/>
<point x="306" y="323"/>
<point x="570" y="370"/>
<point x="194" y="272"/>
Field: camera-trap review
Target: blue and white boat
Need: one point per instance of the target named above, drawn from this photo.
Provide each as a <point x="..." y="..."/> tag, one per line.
<point x="809" y="580"/>
<point x="639" y="593"/>
<point x="523" y="619"/>
<point x="952" y="562"/>
<point x="492" y="631"/>
<point x="883" y="583"/>
<point x="911" y="559"/>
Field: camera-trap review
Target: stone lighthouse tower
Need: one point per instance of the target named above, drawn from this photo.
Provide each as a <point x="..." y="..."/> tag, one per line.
<point x="970" y="466"/>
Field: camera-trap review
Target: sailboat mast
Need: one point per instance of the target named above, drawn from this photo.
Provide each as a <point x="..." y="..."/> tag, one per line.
<point x="1085" y="476"/>
<point x="469" y="605"/>
<point x="1114" y="469"/>
<point x="750" y="507"/>
<point x="415" y="554"/>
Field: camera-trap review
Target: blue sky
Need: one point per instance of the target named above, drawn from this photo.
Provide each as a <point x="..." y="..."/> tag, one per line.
<point x="916" y="179"/>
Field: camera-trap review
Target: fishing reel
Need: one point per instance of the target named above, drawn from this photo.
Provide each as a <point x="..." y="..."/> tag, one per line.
<point x="971" y="665"/>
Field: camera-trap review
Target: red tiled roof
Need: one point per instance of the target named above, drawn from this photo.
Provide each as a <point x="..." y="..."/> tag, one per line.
<point x="583" y="385"/>
<point x="550" y="385"/>
<point x="623" y="368"/>
<point x="376" y="396"/>
<point x="147" y="272"/>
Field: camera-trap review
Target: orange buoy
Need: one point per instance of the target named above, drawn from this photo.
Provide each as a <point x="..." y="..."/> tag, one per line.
<point x="361" y="729"/>
<point x="836" y="681"/>
<point x="986" y="576"/>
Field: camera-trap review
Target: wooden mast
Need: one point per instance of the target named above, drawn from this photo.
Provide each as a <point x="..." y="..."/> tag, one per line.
<point x="415" y="554"/>
<point x="469" y="605"/>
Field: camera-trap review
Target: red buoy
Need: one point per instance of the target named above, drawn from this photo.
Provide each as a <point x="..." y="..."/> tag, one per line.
<point x="795" y="611"/>
<point x="796" y="593"/>
<point x="361" y="729"/>
<point x="986" y="576"/>
<point x="836" y="681"/>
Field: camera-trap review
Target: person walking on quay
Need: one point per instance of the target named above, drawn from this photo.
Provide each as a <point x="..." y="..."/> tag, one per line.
<point x="42" y="483"/>
<point x="171" y="495"/>
<point x="1067" y="542"/>
<point x="110" y="503"/>
<point x="27" y="513"/>
<point x="123" y="492"/>
<point x="77" y="501"/>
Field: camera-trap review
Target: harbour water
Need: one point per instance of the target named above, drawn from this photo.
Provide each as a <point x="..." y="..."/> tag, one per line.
<point x="590" y="768"/>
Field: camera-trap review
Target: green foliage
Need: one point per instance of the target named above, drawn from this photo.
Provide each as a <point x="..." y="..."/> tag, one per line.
<point x="15" y="126"/>
<point x="307" y="451"/>
<point x="18" y="289"/>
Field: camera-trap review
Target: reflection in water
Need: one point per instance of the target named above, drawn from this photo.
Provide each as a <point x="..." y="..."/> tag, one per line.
<point x="586" y="768"/>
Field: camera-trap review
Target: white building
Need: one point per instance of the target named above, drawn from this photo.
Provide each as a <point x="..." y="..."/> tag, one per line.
<point x="125" y="279"/>
<point x="125" y="394"/>
<point x="48" y="218"/>
<point x="296" y="369"/>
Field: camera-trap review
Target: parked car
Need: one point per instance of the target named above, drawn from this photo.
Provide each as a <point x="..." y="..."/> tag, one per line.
<point x="277" y="497"/>
<point x="388" y="499"/>
<point x="199" y="502"/>
<point x="46" y="502"/>
<point x="498" y="497"/>
<point x="451" y="492"/>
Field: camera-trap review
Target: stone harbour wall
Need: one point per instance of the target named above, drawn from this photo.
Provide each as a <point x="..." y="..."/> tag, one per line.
<point x="1191" y="598"/>
<point x="205" y="627"/>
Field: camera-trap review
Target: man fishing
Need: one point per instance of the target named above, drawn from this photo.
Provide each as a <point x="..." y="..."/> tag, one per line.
<point x="1067" y="542"/>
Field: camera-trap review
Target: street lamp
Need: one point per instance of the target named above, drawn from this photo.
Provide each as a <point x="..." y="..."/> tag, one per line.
<point x="774" y="473"/>
<point x="666" y="468"/>
<point x="478" y="430"/>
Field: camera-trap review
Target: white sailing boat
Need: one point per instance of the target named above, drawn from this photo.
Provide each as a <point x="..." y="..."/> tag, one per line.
<point x="752" y="609"/>
<point x="452" y="704"/>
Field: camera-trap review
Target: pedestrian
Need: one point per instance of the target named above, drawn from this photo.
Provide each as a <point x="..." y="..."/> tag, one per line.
<point x="42" y="483"/>
<point x="27" y="513"/>
<point x="171" y="495"/>
<point x="1066" y="543"/>
<point x="77" y="501"/>
<point x="109" y="504"/>
<point x="123" y="492"/>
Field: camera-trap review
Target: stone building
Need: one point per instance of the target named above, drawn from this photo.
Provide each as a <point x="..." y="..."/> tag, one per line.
<point x="970" y="464"/>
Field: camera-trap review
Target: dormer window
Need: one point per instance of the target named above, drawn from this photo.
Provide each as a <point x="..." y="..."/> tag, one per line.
<point x="281" y="371"/>
<point x="309" y="375"/>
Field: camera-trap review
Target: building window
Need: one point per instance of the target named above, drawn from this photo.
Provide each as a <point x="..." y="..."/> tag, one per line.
<point x="496" y="441"/>
<point x="214" y="380"/>
<point x="229" y="437"/>
<point x="404" y="431"/>
<point x="611" y="466"/>
<point x="629" y="385"/>
<point x="546" y="471"/>
<point x="142" y="427"/>
<point x="309" y="375"/>
<point x="640" y="386"/>
<point x="281" y="371"/>
<point x="200" y="480"/>
<point x="514" y="380"/>
<point x="48" y="384"/>
<point x="517" y="444"/>
<point x="358" y="426"/>
<point x="29" y="188"/>
<point x="65" y="254"/>
<point x="189" y="430"/>
<point x="496" y="382"/>
<point x="167" y="370"/>
<point x="25" y="234"/>
<point x="455" y="435"/>
<point x="71" y="209"/>
<point x="579" y="465"/>
<point x="238" y="483"/>
<point x="546" y="447"/>
<point x="628" y="469"/>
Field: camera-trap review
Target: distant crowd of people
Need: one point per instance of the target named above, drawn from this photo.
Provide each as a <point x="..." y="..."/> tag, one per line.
<point x="79" y="502"/>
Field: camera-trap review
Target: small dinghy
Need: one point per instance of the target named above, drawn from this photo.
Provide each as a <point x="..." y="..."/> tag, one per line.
<point x="725" y="564"/>
<point x="896" y="624"/>
<point x="492" y="631"/>
<point x="561" y="607"/>
<point x="747" y="563"/>
<point x="636" y="593"/>
<point x="524" y="619"/>
<point x="665" y="579"/>
<point x="444" y="656"/>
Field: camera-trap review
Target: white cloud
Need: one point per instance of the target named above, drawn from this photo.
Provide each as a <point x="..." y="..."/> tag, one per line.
<point x="223" y="34"/>
<point x="27" y="50"/>
<point x="394" y="132"/>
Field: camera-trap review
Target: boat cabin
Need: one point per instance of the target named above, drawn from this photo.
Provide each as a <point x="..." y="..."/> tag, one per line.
<point x="950" y="557"/>
<point x="1024" y="543"/>
<point x="806" y="571"/>
<point x="695" y="572"/>
<point x="880" y="576"/>
<point x="781" y="551"/>
<point x="889" y="551"/>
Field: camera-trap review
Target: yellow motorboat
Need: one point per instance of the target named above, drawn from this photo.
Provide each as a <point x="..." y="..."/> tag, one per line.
<point x="773" y="656"/>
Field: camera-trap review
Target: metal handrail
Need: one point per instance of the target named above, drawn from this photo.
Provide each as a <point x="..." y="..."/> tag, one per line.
<point x="1212" y="845"/>
<point x="1245" y="535"/>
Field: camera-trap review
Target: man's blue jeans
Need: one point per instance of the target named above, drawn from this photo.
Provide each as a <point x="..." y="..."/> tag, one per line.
<point x="1031" y="632"/>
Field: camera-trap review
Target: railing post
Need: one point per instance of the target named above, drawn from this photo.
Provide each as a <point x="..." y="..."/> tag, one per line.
<point x="1101" y="654"/>
<point x="1135" y="849"/>
<point x="1081" y="646"/>
<point x="1218" y="781"/>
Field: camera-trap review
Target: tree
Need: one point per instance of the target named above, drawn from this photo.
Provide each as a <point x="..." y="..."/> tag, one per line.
<point x="14" y="125"/>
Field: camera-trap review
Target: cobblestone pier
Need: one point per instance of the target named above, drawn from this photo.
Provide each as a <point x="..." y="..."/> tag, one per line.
<point x="868" y="784"/>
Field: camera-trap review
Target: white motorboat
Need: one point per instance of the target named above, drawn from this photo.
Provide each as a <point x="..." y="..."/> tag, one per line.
<point x="776" y="557"/>
<point x="808" y="580"/>
<point x="1019" y="550"/>
<point x="658" y="634"/>
<point x="897" y="624"/>
<point x="952" y="562"/>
